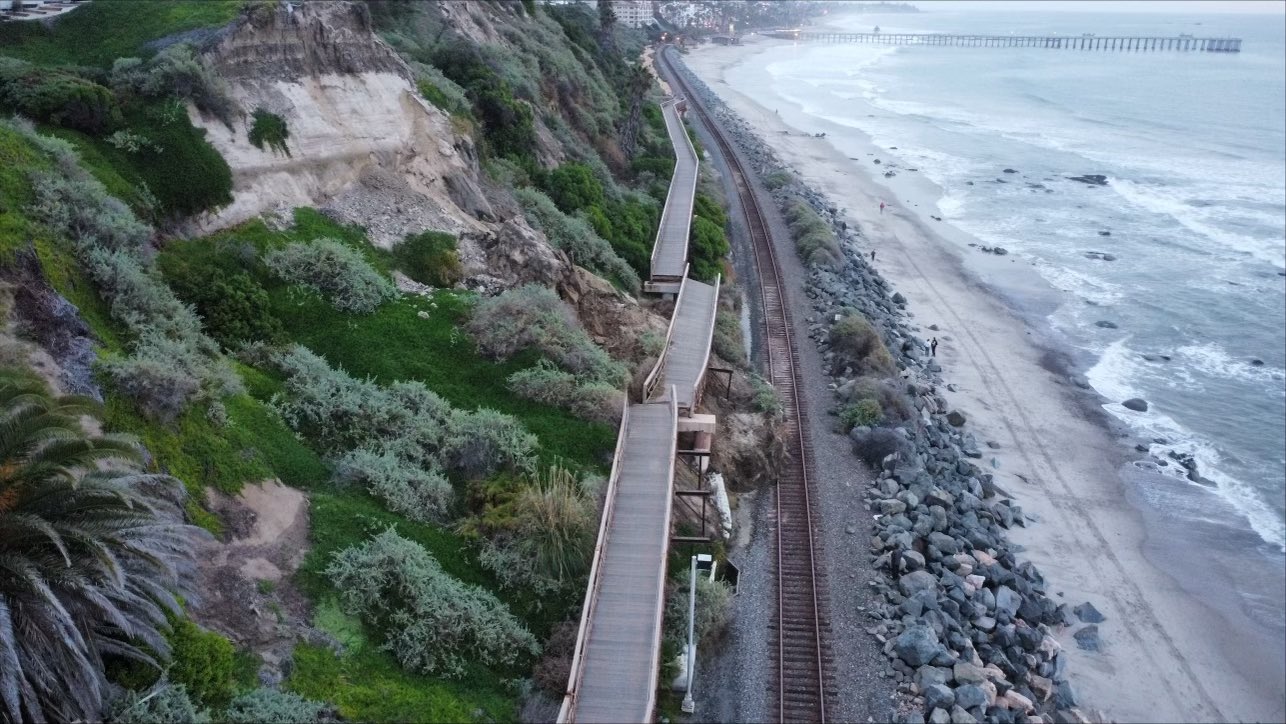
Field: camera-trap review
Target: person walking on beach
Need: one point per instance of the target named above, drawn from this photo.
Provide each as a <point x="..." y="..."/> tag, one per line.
<point x="933" y="347"/>
<point x="881" y="207"/>
<point x="872" y="255"/>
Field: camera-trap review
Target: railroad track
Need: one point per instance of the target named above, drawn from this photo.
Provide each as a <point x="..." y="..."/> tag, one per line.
<point x="805" y="679"/>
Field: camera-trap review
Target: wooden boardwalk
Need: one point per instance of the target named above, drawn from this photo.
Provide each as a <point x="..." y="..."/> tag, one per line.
<point x="617" y="660"/>
<point x="681" y="369"/>
<point x="670" y="252"/>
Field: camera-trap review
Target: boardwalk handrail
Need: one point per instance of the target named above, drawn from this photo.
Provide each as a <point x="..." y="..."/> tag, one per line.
<point x="665" y="210"/>
<point x="650" y="381"/>
<point x="576" y="673"/>
<point x="705" y="363"/>
<point x="1089" y="41"/>
<point x="595" y="572"/>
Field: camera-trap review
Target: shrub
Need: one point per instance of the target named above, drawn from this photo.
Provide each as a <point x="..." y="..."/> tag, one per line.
<point x="572" y="187"/>
<point x="814" y="239"/>
<point x="893" y="403"/>
<point x="57" y="96"/>
<point x="419" y="494"/>
<point x="169" y="703"/>
<point x="335" y="271"/>
<point x="233" y="306"/>
<point x="576" y="237"/>
<point x="866" y="413"/>
<point x="713" y="611"/>
<point x="547" y="384"/>
<point x="269" y="128"/>
<point x="431" y="622"/>
<point x="269" y="706"/>
<point x="533" y="317"/>
<point x="176" y="71"/>
<point x="429" y="258"/>
<point x="858" y="346"/>
<point x="777" y="179"/>
<point x="204" y="663"/>
<point x="872" y="446"/>
<point x="765" y="396"/>
<point x="440" y="90"/>
<point x="482" y="442"/>
<point x="78" y="207"/>
<point x="186" y="174"/>
<point x="709" y="246"/>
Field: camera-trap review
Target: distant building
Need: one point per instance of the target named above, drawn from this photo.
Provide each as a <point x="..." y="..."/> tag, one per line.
<point x="633" y="13"/>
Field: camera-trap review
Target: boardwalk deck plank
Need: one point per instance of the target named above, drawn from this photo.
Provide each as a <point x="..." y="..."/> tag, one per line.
<point x="670" y="256"/>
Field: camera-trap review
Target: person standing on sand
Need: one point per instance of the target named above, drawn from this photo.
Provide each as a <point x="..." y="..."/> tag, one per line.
<point x="872" y="255"/>
<point x="881" y="207"/>
<point x="933" y="347"/>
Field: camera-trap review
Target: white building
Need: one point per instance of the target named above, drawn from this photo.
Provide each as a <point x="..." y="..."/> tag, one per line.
<point x="633" y="13"/>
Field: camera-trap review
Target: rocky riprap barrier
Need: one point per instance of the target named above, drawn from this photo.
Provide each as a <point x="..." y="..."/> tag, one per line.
<point x="967" y="627"/>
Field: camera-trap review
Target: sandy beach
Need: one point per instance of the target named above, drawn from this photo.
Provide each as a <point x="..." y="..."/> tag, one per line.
<point x="1166" y="654"/>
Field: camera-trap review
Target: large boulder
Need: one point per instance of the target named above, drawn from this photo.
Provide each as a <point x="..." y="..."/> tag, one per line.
<point x="1137" y="404"/>
<point x="918" y="645"/>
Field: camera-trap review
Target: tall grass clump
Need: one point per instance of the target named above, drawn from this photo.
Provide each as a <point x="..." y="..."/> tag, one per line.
<point x="431" y="622"/>
<point x="857" y="346"/>
<point x="335" y="271"/>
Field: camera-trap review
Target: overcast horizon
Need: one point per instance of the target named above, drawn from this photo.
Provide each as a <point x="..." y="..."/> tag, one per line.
<point x="1200" y="7"/>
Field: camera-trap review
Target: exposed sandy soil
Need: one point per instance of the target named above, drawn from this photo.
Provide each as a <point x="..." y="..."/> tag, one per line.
<point x="245" y="580"/>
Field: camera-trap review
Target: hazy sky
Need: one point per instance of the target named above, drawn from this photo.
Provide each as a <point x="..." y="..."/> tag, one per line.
<point x="1126" y="6"/>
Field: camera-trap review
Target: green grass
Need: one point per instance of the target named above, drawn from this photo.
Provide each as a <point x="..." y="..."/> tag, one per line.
<point x="99" y="32"/>
<point x="368" y="685"/>
<point x="395" y="343"/>
<point x="17" y="159"/>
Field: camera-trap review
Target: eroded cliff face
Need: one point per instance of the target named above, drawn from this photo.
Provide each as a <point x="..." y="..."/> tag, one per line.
<point x="363" y="143"/>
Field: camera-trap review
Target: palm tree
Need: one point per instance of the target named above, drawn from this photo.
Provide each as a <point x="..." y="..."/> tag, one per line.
<point x="88" y="562"/>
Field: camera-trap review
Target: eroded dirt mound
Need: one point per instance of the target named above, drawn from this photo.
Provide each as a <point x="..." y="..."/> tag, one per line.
<point x="245" y="580"/>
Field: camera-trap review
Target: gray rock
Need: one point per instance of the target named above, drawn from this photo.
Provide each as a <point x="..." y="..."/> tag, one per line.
<point x="918" y="645"/>
<point x="916" y="581"/>
<point x="1008" y="600"/>
<point x="939" y="696"/>
<point x="927" y="676"/>
<point x="944" y="543"/>
<point x="1064" y="695"/>
<point x="971" y="695"/>
<point x="1137" y="404"/>
<point x="956" y="418"/>
<point x="940" y="716"/>
<point x="1087" y="638"/>
<point x="960" y="716"/>
<point x="898" y="299"/>
<point x="966" y="673"/>
<point x="1105" y="324"/>
<point x="1088" y="614"/>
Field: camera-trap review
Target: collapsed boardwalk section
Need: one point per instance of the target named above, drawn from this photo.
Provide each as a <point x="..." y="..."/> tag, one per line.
<point x="616" y="664"/>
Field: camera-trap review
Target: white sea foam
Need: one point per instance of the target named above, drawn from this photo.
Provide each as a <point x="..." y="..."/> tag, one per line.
<point x="1082" y="285"/>
<point x="1213" y="360"/>
<point x="1116" y="376"/>
<point x="1200" y="220"/>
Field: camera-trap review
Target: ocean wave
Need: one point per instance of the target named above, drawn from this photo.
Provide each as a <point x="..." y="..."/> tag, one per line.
<point x="1099" y="291"/>
<point x="1200" y="219"/>
<point x="1116" y="376"/>
<point x="1211" y="359"/>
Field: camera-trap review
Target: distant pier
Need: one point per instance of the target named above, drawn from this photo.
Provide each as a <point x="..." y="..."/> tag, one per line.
<point x="1055" y="42"/>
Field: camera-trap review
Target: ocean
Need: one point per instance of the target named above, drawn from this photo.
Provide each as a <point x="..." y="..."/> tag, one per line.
<point x="1189" y="313"/>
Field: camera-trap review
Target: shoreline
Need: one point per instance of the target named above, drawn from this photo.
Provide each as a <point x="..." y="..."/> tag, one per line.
<point x="1166" y="654"/>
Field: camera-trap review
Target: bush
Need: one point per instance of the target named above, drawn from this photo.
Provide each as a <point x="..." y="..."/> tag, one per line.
<point x="269" y="128"/>
<point x="57" y="96"/>
<point x="429" y="258"/>
<point x="777" y="179"/>
<point x="480" y="443"/>
<point x="431" y="622"/>
<point x="815" y="241"/>
<point x="269" y="706"/>
<point x="176" y="71"/>
<point x="203" y="662"/>
<point x="233" y="306"/>
<point x="858" y="346"/>
<point x="78" y="207"/>
<point x="893" y="403"/>
<point x="169" y="703"/>
<point x="533" y="317"/>
<point x="576" y="237"/>
<point x="709" y="246"/>
<point x="765" y="398"/>
<point x="419" y="494"/>
<point x="440" y="90"/>
<point x="547" y="384"/>
<point x="713" y="611"/>
<point x="866" y="413"/>
<point x="872" y="446"/>
<point x="335" y="271"/>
